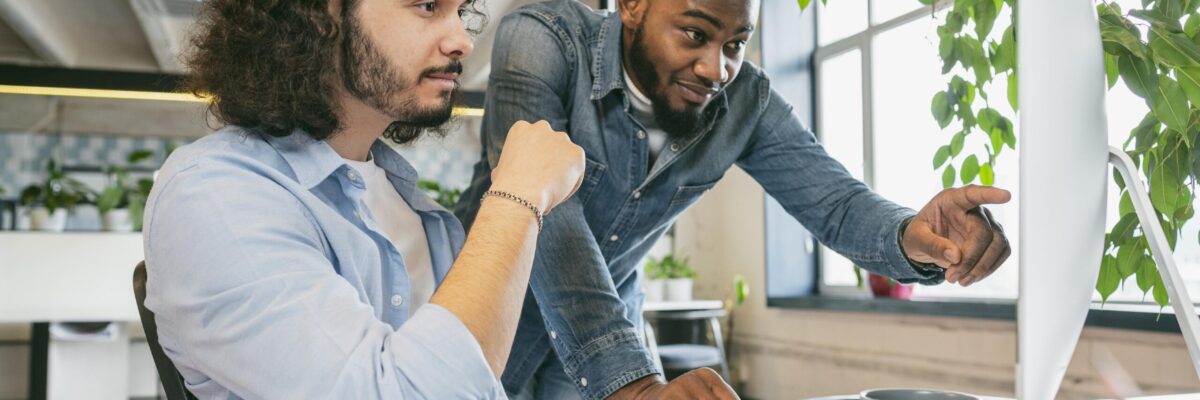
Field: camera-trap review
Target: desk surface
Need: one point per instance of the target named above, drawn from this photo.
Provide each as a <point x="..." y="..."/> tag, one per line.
<point x="85" y="276"/>
<point x="694" y="305"/>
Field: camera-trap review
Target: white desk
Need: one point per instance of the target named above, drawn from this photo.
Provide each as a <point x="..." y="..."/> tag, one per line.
<point x="693" y="305"/>
<point x="49" y="277"/>
<point x="71" y="277"/>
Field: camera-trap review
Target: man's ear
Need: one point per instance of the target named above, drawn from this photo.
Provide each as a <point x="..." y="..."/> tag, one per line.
<point x="632" y="11"/>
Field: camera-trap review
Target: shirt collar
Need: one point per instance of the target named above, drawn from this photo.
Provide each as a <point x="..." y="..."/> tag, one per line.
<point x="607" y="72"/>
<point x="314" y="160"/>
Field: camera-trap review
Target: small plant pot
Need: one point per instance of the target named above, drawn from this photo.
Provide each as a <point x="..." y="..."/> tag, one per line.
<point x="881" y="286"/>
<point x="41" y="219"/>
<point x="654" y="289"/>
<point x="679" y="289"/>
<point x="117" y="220"/>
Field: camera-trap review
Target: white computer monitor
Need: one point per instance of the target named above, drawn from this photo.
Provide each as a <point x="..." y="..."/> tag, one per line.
<point x="1064" y="157"/>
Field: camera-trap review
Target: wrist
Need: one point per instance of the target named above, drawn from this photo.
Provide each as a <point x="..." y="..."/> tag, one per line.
<point x="536" y="197"/>
<point x="639" y="389"/>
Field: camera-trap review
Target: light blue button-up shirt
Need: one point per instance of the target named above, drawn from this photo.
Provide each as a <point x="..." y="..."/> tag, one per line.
<point x="270" y="279"/>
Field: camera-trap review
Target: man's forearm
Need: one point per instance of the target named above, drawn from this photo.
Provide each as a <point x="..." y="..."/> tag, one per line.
<point x="486" y="286"/>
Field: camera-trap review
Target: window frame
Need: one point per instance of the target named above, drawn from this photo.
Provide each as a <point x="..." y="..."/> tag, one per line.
<point x="792" y="57"/>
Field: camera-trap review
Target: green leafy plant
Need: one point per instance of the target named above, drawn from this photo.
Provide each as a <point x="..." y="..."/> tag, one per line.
<point x="445" y="196"/>
<point x="669" y="267"/>
<point x="1163" y="69"/>
<point x="125" y="192"/>
<point x="57" y="191"/>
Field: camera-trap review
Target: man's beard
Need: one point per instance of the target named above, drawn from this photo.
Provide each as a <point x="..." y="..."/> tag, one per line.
<point x="678" y="124"/>
<point x="368" y="75"/>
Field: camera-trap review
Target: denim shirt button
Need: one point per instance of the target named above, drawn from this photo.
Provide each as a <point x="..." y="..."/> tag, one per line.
<point x="583" y="382"/>
<point x="637" y="195"/>
<point x="397" y="300"/>
<point x="553" y="335"/>
<point x="674" y="146"/>
<point x="614" y="238"/>
<point x="641" y="135"/>
<point x="352" y="175"/>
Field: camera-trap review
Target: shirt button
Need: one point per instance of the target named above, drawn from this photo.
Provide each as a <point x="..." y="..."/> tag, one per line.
<point x="637" y="195"/>
<point x="674" y="146"/>
<point x="553" y="335"/>
<point x="352" y="175"/>
<point x="583" y="382"/>
<point x="614" y="238"/>
<point x="397" y="300"/>
<point x="641" y="134"/>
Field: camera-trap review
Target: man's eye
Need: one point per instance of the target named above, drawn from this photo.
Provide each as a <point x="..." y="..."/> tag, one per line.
<point x="737" y="46"/>
<point x="695" y="35"/>
<point x="429" y="7"/>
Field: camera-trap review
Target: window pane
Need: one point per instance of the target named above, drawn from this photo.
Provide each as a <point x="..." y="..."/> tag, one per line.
<point x="841" y="132"/>
<point x="906" y="75"/>
<point x="840" y="20"/>
<point x="884" y="10"/>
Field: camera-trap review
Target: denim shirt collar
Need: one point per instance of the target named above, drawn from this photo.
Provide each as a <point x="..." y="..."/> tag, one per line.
<point x="607" y="70"/>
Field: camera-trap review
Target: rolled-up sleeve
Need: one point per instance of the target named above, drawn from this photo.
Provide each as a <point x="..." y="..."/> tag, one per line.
<point x="246" y="297"/>
<point x="841" y="211"/>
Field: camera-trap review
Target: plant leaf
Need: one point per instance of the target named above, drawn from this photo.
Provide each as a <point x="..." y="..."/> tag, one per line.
<point x="948" y="177"/>
<point x="941" y="109"/>
<point x="1170" y="104"/>
<point x="956" y="144"/>
<point x="1157" y="20"/>
<point x="1110" y="69"/>
<point x="1129" y="257"/>
<point x="985" y="17"/>
<point x="970" y="169"/>
<point x="1109" y="278"/>
<point x="1160" y="292"/>
<point x="1147" y="274"/>
<point x="1139" y="75"/>
<point x="1173" y="48"/>
<point x="1012" y="91"/>
<point x="1122" y="232"/>
<point x="986" y="176"/>
<point x="803" y="4"/>
<point x="1189" y="81"/>
<point x="940" y="157"/>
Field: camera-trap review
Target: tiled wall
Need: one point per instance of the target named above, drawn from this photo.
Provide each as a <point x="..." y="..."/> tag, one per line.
<point x="23" y="156"/>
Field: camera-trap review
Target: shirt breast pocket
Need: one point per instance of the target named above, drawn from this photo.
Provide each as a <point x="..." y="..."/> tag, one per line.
<point x="685" y="196"/>
<point x="592" y="175"/>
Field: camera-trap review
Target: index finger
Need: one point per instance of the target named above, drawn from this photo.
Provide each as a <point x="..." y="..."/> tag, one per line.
<point x="972" y="196"/>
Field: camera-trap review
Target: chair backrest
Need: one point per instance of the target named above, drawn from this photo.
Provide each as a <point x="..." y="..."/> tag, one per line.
<point x="172" y="382"/>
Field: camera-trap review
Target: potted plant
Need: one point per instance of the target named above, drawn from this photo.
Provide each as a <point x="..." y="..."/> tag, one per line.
<point x="122" y="202"/>
<point x="49" y="201"/>
<point x="882" y="286"/>
<point x="679" y="278"/>
<point x="445" y="196"/>
<point x="656" y="280"/>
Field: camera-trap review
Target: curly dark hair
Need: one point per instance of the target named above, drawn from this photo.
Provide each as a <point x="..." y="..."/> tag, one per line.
<point x="268" y="64"/>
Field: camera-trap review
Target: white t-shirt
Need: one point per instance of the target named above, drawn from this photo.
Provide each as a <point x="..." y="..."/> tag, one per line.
<point x="643" y="110"/>
<point x="397" y="220"/>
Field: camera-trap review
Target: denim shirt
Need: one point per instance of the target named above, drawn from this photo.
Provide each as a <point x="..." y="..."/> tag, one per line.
<point x="560" y="61"/>
<point x="269" y="278"/>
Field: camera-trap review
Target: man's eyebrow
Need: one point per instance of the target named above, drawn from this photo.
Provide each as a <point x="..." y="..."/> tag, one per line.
<point x="714" y="21"/>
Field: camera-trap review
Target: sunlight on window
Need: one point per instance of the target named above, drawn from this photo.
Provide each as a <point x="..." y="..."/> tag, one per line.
<point x="841" y="132"/>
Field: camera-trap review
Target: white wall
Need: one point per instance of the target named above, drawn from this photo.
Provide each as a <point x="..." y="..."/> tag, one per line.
<point x="788" y="354"/>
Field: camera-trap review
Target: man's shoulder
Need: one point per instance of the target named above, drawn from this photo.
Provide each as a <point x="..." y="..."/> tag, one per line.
<point x="752" y="86"/>
<point x="231" y="149"/>
<point x="572" y="16"/>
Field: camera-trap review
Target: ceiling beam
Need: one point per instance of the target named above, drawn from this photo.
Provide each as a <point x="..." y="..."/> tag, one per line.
<point x="149" y="15"/>
<point x="35" y="24"/>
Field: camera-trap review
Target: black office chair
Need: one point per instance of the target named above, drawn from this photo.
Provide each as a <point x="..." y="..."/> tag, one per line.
<point x="172" y="382"/>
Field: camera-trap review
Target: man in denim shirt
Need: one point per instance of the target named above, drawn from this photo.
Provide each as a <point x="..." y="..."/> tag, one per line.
<point x="659" y="97"/>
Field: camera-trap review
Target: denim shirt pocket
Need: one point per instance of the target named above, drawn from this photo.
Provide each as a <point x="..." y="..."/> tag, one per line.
<point x="685" y="196"/>
<point x="592" y="174"/>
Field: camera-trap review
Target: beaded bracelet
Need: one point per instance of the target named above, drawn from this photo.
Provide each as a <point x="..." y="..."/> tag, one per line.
<point x="536" y="211"/>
